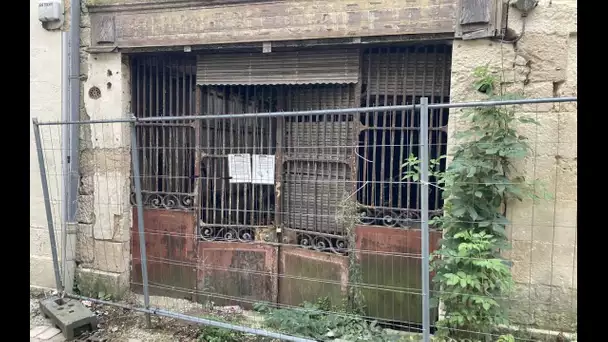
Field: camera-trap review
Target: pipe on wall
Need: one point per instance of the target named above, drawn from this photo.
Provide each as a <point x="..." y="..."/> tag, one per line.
<point x="70" y="60"/>
<point x="74" y="108"/>
<point x="65" y="150"/>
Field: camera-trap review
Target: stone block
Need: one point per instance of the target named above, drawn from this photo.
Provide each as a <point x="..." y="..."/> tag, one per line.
<point x="567" y="188"/>
<point x="536" y="90"/>
<point x="520" y="251"/>
<point x="85" y="245"/>
<point x="85" y="21"/>
<point x="520" y="271"/>
<point x="520" y="215"/>
<point x="520" y="309"/>
<point x="540" y="271"/>
<point x="109" y="104"/>
<point x="548" y="56"/>
<point x="85" y="212"/>
<point x="543" y="220"/>
<point x="93" y="282"/>
<point x="565" y="221"/>
<point x="87" y="185"/>
<point x="569" y="88"/>
<point x="567" y="127"/>
<point x="42" y="273"/>
<point x="70" y="315"/>
<point x="567" y="150"/>
<point x="543" y="133"/>
<point x="540" y="252"/>
<point x="552" y="317"/>
<point x="536" y="304"/>
<point x="520" y="232"/>
<point x="105" y="160"/>
<point x="111" y="256"/>
<point x="562" y="276"/>
<point x="566" y="236"/>
<point x="39" y="242"/>
<point x="541" y="168"/>
<point x="548" y="18"/>
<point x="85" y="37"/>
<point x="112" y="194"/>
<point x="108" y="135"/>
<point x="563" y="257"/>
<point x="84" y="71"/>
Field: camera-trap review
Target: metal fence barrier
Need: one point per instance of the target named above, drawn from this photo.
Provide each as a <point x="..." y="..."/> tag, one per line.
<point x="180" y="213"/>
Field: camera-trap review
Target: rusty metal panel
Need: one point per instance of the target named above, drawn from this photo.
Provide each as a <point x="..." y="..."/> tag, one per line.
<point x="322" y="96"/>
<point x="391" y="270"/>
<point x="284" y="67"/>
<point x="171" y="252"/>
<point x="305" y="275"/>
<point x="233" y="273"/>
<point x="325" y="140"/>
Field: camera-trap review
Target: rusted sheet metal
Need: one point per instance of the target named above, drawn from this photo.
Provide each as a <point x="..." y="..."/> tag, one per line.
<point x="326" y="66"/>
<point x="234" y="273"/>
<point x="170" y="249"/>
<point x="304" y="275"/>
<point x="391" y="270"/>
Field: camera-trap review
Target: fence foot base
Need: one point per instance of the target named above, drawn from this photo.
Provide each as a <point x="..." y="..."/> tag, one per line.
<point x="69" y="315"/>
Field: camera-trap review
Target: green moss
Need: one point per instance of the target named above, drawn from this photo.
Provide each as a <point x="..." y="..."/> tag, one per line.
<point x="104" y="287"/>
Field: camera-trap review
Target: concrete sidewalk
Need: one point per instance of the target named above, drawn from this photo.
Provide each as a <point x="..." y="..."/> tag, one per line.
<point x="46" y="333"/>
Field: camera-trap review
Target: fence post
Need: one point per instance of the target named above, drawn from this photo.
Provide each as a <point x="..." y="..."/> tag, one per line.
<point x="47" y="205"/>
<point x="140" y="220"/>
<point x="424" y="208"/>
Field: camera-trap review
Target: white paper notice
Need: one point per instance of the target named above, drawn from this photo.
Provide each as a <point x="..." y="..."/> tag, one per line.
<point x="263" y="169"/>
<point x="239" y="168"/>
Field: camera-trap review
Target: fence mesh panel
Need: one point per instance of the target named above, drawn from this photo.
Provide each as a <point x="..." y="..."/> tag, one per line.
<point x="246" y="218"/>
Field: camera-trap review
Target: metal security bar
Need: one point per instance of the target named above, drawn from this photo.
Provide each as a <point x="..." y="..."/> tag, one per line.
<point x="165" y="86"/>
<point x="232" y="210"/>
<point x="394" y="76"/>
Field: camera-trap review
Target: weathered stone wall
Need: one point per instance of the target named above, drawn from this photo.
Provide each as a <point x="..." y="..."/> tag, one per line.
<point x="45" y="104"/>
<point x="104" y="215"/>
<point x="541" y="64"/>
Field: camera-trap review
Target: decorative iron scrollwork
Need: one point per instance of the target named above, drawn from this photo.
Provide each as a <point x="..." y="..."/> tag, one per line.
<point x="227" y="234"/>
<point x="323" y="243"/>
<point x="407" y="217"/>
<point x="394" y="218"/>
<point x="165" y="201"/>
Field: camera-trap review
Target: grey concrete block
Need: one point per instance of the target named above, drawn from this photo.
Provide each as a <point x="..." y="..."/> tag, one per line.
<point x="69" y="315"/>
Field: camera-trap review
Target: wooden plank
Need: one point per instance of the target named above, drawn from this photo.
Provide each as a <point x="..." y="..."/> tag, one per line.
<point x="475" y="12"/>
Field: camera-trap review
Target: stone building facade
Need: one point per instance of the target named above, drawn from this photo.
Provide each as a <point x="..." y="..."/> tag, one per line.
<point x="45" y="104"/>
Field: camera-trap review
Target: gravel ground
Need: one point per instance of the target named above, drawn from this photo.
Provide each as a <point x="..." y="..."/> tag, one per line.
<point x="122" y="325"/>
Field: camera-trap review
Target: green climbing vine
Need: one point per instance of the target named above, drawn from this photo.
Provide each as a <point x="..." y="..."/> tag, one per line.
<point x="472" y="275"/>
